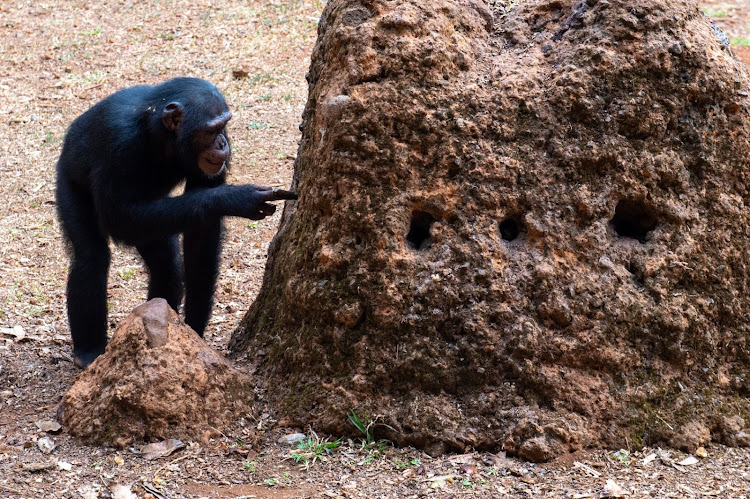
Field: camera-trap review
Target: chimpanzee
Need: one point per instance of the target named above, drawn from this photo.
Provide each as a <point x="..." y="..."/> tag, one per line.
<point x="119" y="163"/>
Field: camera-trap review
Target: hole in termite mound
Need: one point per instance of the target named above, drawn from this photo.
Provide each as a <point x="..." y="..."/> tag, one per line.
<point x="633" y="220"/>
<point x="510" y="229"/>
<point x="419" y="229"/>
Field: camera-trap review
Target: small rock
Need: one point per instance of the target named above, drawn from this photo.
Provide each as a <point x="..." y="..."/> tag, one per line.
<point x="292" y="439"/>
<point x="240" y="73"/>
<point x="46" y="445"/>
<point x="536" y="450"/>
<point x="48" y="426"/>
<point x="612" y="489"/>
<point x="154" y="315"/>
<point x="692" y="435"/>
<point x="469" y="469"/>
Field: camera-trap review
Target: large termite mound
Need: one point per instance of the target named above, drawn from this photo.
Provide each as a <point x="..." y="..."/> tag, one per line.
<point x="527" y="233"/>
<point x="156" y="380"/>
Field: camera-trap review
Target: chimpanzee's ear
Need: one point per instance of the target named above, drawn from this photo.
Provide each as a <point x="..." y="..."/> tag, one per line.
<point x="172" y="116"/>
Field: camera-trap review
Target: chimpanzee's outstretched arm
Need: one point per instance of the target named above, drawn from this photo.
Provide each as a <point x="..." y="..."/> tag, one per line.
<point x="150" y="220"/>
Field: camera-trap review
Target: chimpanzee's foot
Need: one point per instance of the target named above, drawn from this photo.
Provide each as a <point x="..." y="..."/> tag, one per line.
<point x="83" y="359"/>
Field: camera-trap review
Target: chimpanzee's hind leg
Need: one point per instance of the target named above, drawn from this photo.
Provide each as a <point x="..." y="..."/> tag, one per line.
<point x="87" y="277"/>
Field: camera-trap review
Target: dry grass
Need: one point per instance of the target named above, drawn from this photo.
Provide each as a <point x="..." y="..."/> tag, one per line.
<point x="59" y="57"/>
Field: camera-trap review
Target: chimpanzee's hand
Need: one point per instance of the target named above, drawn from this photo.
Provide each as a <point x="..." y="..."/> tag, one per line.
<point x="250" y="201"/>
<point x="270" y="194"/>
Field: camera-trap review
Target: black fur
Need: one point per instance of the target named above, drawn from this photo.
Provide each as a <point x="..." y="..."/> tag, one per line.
<point x="119" y="162"/>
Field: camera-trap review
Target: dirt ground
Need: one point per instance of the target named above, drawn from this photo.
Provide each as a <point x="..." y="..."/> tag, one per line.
<point x="58" y="58"/>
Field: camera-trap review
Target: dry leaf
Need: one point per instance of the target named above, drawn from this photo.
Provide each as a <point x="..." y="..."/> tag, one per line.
<point x="161" y="449"/>
<point x="36" y="467"/>
<point x="665" y="457"/>
<point x="16" y="332"/>
<point x="688" y="461"/>
<point x="442" y="478"/>
<point x="587" y="469"/>
<point x="463" y="459"/>
<point x="685" y="488"/>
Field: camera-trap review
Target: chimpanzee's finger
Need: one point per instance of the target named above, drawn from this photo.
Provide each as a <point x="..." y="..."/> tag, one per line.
<point x="264" y="210"/>
<point x="278" y="195"/>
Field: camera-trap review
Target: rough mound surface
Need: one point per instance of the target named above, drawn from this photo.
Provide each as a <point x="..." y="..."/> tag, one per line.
<point x="156" y="380"/>
<point x="528" y="233"/>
